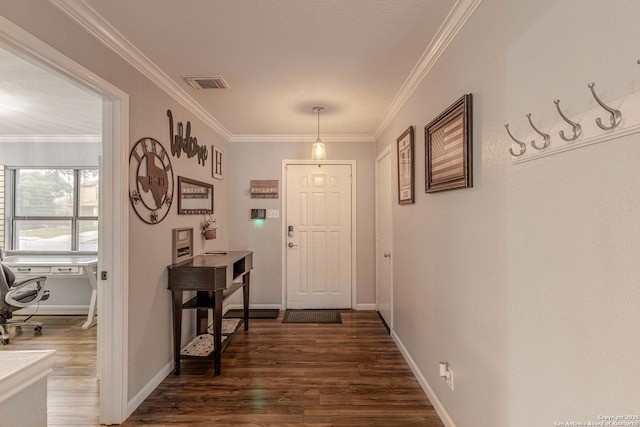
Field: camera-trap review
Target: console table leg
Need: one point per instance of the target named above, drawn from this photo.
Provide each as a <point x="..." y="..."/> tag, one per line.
<point x="217" y="331"/>
<point x="177" y="330"/>
<point x="245" y="299"/>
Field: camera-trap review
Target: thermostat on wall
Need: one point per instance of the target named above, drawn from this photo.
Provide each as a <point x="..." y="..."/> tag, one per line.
<point x="258" y="213"/>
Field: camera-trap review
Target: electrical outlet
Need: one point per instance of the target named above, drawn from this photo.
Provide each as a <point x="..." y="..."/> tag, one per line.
<point x="446" y="374"/>
<point x="450" y="379"/>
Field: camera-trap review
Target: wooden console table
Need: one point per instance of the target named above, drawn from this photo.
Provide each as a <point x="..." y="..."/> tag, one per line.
<point x="214" y="277"/>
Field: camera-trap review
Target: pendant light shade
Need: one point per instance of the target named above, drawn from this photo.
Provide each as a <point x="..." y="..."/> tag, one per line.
<point x="318" y="151"/>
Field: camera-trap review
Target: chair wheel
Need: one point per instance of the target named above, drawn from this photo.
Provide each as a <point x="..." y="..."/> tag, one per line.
<point x="4" y="342"/>
<point x="37" y="329"/>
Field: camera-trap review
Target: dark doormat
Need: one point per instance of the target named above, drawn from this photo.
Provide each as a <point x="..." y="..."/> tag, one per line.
<point x="312" y="316"/>
<point x="254" y="313"/>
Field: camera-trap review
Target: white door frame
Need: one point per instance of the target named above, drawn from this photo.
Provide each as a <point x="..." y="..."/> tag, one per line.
<point x="386" y="152"/>
<point x="283" y="227"/>
<point x="113" y="302"/>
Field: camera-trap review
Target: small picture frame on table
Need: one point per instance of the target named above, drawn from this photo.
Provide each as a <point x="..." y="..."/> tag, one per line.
<point x="406" y="167"/>
<point x="448" y="148"/>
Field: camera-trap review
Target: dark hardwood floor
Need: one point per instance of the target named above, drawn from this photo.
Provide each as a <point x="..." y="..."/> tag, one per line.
<point x="348" y="374"/>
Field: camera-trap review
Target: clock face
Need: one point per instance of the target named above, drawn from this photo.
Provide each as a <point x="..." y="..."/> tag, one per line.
<point x="150" y="180"/>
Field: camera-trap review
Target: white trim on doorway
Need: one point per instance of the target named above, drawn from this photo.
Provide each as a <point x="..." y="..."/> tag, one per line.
<point x="283" y="209"/>
<point x="113" y="303"/>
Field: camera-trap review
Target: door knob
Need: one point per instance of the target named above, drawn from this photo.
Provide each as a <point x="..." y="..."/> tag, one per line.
<point x="387" y="254"/>
<point x="291" y="245"/>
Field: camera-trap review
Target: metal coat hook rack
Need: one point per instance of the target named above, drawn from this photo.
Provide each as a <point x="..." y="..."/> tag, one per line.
<point x="586" y="129"/>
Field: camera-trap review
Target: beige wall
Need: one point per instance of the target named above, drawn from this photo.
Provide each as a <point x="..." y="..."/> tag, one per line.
<point x="257" y="160"/>
<point x="150" y="335"/>
<point x="527" y="283"/>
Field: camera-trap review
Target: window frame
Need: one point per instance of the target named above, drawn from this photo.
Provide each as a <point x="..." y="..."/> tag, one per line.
<point x="75" y="218"/>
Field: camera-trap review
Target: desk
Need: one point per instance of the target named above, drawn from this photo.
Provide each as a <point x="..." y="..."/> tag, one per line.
<point x="214" y="278"/>
<point x="60" y="266"/>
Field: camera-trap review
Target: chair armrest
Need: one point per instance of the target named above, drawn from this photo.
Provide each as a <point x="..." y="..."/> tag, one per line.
<point x="18" y="285"/>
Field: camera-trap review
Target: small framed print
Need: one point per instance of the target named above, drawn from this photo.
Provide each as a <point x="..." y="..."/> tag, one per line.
<point x="217" y="163"/>
<point x="406" y="169"/>
<point x="182" y="244"/>
<point x="448" y="148"/>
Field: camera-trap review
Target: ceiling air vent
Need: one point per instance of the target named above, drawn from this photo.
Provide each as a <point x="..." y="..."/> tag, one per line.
<point x="206" y="82"/>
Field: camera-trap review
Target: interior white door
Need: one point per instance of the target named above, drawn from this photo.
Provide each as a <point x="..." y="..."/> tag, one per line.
<point x="384" y="294"/>
<point x="318" y="236"/>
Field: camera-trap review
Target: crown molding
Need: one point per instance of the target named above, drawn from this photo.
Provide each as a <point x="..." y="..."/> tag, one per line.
<point x="51" y="138"/>
<point x="457" y="17"/>
<point x="304" y="138"/>
<point x="92" y="22"/>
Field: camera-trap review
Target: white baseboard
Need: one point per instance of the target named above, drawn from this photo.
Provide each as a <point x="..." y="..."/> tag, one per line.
<point x="365" y="307"/>
<point x="437" y="405"/>
<point x="54" y="310"/>
<point x="137" y="400"/>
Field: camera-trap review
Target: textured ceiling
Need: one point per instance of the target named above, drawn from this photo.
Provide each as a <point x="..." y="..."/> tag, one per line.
<point x="282" y="57"/>
<point x="279" y="57"/>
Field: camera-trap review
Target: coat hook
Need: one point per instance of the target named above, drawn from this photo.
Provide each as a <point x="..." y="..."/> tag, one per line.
<point x="577" y="129"/>
<point x="547" y="139"/>
<point x="616" y="115"/>
<point x="523" y="146"/>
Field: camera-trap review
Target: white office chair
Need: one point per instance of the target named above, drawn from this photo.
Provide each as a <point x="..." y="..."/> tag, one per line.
<point x="16" y="295"/>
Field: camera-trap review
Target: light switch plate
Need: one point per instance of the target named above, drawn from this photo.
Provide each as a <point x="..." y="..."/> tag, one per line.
<point x="273" y="213"/>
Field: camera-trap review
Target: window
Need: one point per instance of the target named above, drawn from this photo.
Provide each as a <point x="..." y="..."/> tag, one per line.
<point x="53" y="209"/>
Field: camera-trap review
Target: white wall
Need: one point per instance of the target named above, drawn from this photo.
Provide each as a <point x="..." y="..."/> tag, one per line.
<point x="527" y="283"/>
<point x="150" y="336"/>
<point x="256" y="160"/>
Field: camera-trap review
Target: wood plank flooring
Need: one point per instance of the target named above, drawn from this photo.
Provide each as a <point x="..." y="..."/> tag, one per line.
<point x="348" y="374"/>
<point x="73" y="389"/>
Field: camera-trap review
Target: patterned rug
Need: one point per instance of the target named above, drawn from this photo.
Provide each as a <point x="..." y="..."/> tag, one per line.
<point x="202" y="345"/>
<point x="312" y="316"/>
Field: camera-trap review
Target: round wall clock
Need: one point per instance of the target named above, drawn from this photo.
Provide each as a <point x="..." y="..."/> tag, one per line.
<point x="150" y="180"/>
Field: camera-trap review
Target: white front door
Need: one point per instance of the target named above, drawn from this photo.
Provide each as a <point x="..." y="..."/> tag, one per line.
<point x="384" y="295"/>
<point x="318" y="236"/>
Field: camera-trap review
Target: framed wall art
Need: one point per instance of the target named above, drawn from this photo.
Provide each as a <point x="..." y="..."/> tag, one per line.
<point x="406" y="167"/>
<point x="217" y="163"/>
<point x="194" y="197"/>
<point x="448" y="148"/>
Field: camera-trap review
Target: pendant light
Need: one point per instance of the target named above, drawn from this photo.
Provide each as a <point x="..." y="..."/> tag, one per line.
<point x="318" y="151"/>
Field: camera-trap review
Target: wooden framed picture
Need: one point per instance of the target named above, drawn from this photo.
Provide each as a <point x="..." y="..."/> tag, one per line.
<point x="406" y="168"/>
<point x="217" y="162"/>
<point x="448" y="148"/>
